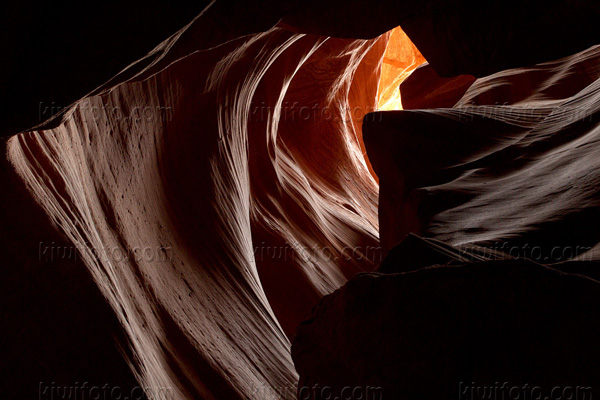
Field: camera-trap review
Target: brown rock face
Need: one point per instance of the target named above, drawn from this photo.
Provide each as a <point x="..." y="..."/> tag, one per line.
<point x="189" y="188"/>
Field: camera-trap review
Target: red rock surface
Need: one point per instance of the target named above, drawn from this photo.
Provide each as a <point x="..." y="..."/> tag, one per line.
<point x="400" y="59"/>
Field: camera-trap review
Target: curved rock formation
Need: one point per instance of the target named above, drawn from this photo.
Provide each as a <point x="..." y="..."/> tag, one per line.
<point x="188" y="185"/>
<point x="400" y="59"/>
<point x="537" y="85"/>
<point x="500" y="190"/>
<point x="215" y="189"/>
<point x="65" y="51"/>
<point x="519" y="173"/>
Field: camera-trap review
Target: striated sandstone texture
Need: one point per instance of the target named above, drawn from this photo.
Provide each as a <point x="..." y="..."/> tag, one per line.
<point x="216" y="189"/>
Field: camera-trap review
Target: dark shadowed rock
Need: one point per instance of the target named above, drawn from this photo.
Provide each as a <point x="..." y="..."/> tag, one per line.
<point x="438" y="332"/>
<point x="424" y="88"/>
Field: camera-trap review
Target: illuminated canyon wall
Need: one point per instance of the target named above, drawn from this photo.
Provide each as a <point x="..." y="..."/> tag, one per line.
<point x="215" y="198"/>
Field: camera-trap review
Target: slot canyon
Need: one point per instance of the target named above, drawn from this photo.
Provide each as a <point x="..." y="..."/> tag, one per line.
<point x="302" y="200"/>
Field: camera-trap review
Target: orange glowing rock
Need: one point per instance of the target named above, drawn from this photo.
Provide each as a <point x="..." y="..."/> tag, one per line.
<point x="400" y="59"/>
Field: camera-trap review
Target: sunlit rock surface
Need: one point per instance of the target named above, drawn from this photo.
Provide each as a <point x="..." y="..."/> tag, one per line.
<point x="400" y="59"/>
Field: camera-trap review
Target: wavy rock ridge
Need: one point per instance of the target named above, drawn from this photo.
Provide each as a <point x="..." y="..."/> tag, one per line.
<point x="190" y="188"/>
<point x="218" y="187"/>
<point x="501" y="299"/>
